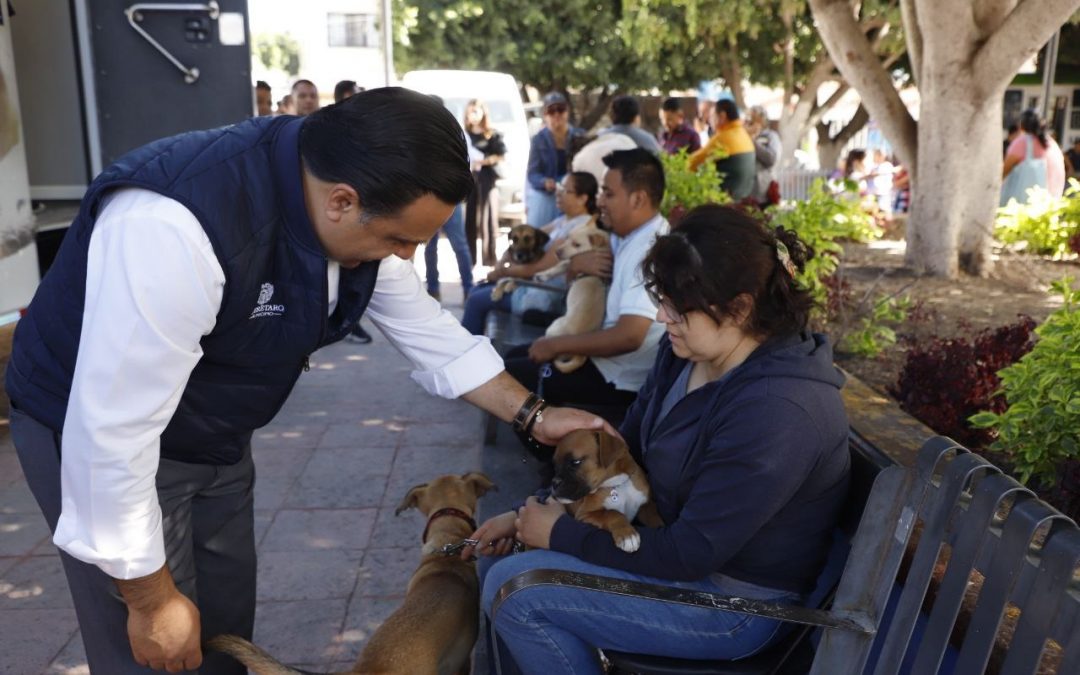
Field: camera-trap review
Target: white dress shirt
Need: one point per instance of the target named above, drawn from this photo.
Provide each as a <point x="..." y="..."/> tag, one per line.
<point x="153" y="290"/>
<point x="627" y="297"/>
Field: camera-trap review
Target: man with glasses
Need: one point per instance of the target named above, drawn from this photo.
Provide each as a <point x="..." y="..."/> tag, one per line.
<point x="549" y="159"/>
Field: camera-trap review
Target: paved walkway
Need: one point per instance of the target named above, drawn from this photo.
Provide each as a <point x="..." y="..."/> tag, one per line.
<point x="334" y="561"/>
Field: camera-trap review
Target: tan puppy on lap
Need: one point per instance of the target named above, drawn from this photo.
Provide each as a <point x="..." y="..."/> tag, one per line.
<point x="600" y="483"/>
<point x="434" y="630"/>
<point x="587" y="296"/>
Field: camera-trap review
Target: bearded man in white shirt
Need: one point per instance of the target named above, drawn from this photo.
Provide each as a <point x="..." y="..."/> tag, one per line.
<point x="200" y="274"/>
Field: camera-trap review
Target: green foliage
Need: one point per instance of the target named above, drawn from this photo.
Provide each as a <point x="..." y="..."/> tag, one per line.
<point x="686" y="189"/>
<point x="1043" y="225"/>
<point x="875" y="329"/>
<point x="1040" y="428"/>
<point x="278" y="52"/>
<point x="822" y="221"/>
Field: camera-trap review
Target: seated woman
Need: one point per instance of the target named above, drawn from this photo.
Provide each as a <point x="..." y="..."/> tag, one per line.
<point x="576" y="198"/>
<point x="743" y="434"/>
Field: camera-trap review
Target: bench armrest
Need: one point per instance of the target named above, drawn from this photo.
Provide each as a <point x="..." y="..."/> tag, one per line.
<point x="846" y="621"/>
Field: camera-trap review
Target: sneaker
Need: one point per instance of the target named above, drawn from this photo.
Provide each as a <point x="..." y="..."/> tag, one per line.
<point x="358" y="336"/>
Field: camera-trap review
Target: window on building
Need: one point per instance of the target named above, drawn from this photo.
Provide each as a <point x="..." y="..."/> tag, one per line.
<point x="352" y="30"/>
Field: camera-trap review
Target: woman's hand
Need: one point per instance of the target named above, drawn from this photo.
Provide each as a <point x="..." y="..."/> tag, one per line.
<point x="549" y="184"/>
<point x="496" y="536"/>
<point x="535" y="521"/>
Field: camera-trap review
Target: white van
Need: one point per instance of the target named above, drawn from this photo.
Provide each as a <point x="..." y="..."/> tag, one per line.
<point x="502" y="95"/>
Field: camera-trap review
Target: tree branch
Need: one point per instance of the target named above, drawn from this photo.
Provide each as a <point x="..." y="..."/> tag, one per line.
<point x="860" y="66"/>
<point x="819" y="111"/>
<point x="1020" y="35"/>
<point x="989" y="14"/>
<point x="913" y="37"/>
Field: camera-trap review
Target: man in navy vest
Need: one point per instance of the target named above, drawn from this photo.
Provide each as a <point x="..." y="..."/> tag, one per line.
<point x="200" y="274"/>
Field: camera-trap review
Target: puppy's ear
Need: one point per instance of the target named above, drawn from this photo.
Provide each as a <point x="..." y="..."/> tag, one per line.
<point x="609" y="448"/>
<point x="412" y="498"/>
<point x="542" y="238"/>
<point x="598" y="240"/>
<point x="479" y="483"/>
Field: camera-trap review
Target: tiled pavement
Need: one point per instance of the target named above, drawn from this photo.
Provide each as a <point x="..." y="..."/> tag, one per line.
<point x="333" y="558"/>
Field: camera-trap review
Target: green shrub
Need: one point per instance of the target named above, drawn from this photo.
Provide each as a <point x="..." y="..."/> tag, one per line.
<point x="1040" y="428"/>
<point x="874" y="329"/>
<point x="1043" y="225"/>
<point x="823" y="220"/>
<point x="686" y="189"/>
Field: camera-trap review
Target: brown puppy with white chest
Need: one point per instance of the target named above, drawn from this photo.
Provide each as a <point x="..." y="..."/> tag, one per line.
<point x="434" y="630"/>
<point x="601" y="484"/>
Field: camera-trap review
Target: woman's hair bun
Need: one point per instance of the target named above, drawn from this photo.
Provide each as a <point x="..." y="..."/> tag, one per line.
<point x="799" y="251"/>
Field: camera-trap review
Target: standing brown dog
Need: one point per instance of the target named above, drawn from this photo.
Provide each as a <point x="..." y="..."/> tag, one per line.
<point x="434" y="630"/>
<point x="601" y="484"/>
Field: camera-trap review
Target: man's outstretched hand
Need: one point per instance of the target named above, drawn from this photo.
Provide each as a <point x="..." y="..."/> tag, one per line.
<point x="557" y="422"/>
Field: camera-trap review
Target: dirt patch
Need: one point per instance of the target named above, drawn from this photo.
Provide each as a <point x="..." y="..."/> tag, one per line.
<point x="1019" y="284"/>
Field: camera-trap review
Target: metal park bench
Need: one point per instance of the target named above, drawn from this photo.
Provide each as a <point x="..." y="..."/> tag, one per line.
<point x="954" y="525"/>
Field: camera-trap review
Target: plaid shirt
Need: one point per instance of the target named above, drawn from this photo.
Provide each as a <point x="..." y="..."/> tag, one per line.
<point x="684" y="136"/>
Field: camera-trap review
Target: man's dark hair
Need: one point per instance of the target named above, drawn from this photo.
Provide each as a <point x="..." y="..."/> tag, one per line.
<point x="392" y="146"/>
<point x="728" y="107"/>
<point x="672" y="105"/>
<point x="300" y="82"/>
<point x="261" y="84"/>
<point x="345" y="89"/>
<point x="624" y="109"/>
<point x="640" y="170"/>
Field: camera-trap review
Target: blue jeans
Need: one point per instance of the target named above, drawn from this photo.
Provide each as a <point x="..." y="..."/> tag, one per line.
<point x="455" y="232"/>
<point x="478" y="304"/>
<point x="550" y="630"/>
<point x="540" y="207"/>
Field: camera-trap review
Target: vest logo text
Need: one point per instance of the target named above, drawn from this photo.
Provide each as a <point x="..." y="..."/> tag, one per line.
<point x="264" y="309"/>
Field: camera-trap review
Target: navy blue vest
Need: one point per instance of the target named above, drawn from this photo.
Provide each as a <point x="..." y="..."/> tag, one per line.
<point x="243" y="183"/>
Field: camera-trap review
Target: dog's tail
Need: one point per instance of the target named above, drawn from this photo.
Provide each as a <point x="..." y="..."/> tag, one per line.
<point x="257" y="660"/>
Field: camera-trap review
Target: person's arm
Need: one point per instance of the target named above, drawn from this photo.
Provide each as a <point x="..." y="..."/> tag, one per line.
<point x="535" y="171"/>
<point x="153" y="290"/>
<point x="449" y="361"/>
<point x="748" y="474"/>
<point x="1014" y="155"/>
<point x="527" y="270"/>
<point x="699" y="157"/>
<point x="627" y="335"/>
<point x="767" y="149"/>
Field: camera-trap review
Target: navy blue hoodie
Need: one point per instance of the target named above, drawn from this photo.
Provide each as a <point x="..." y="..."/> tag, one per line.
<point x="749" y="473"/>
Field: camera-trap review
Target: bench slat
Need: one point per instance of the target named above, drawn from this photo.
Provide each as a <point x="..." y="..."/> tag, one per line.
<point x="871" y="568"/>
<point x="935" y="513"/>
<point x="972" y="535"/>
<point x="1059" y="559"/>
<point x="1025" y="518"/>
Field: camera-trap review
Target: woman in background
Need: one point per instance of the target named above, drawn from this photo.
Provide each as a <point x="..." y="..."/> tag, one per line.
<point x="482" y="208"/>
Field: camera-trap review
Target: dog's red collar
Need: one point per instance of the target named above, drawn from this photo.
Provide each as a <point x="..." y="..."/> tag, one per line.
<point x="449" y="511"/>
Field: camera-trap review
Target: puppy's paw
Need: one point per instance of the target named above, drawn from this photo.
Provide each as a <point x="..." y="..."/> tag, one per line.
<point x="629" y="541"/>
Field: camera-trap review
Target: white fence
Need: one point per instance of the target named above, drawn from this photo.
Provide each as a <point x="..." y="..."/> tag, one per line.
<point x="795" y="183"/>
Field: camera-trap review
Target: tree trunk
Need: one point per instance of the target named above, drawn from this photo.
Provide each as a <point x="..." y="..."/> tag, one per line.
<point x="731" y="71"/>
<point x="829" y="148"/>
<point x="953" y="211"/>
<point x="598" y="108"/>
